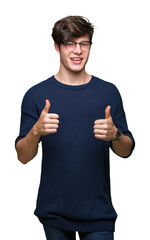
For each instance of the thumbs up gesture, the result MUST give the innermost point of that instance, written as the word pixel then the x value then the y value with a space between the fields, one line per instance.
pixel 47 122
pixel 104 128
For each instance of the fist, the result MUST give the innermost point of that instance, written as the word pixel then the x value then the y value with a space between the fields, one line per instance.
pixel 47 122
pixel 104 128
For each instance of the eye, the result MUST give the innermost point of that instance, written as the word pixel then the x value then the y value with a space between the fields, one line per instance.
pixel 70 44
pixel 85 44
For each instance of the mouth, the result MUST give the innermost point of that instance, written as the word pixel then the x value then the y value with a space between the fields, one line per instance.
pixel 76 60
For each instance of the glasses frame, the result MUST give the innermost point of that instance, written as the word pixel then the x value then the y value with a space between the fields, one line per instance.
pixel 80 43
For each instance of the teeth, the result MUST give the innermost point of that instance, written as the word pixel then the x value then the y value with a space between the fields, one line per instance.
pixel 76 59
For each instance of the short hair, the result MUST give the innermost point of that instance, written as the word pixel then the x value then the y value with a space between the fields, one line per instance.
pixel 70 27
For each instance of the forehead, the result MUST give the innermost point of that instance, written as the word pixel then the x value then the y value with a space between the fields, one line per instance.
pixel 82 38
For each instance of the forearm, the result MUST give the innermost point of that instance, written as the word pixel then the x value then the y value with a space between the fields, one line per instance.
pixel 27 147
pixel 47 123
pixel 123 146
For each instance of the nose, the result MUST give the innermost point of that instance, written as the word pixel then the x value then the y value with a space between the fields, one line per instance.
pixel 77 49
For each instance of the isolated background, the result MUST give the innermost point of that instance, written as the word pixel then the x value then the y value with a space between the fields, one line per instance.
pixel 120 54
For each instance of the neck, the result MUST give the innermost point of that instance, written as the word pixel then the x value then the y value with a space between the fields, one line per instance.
pixel 73 78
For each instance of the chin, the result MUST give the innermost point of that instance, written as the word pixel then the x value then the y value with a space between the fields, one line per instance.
pixel 77 69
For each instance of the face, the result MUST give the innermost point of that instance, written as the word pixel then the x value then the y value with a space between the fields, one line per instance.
pixel 75 60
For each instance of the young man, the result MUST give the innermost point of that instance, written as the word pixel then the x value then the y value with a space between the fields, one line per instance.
pixel 77 117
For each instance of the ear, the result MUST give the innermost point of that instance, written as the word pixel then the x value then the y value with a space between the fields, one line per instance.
pixel 56 47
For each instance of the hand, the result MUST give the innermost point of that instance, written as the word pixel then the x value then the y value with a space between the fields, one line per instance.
pixel 47 123
pixel 104 128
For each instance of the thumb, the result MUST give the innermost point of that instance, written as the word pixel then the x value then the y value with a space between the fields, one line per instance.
pixel 47 106
pixel 107 112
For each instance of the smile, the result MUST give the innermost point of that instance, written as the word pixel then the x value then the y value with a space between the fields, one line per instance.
pixel 76 59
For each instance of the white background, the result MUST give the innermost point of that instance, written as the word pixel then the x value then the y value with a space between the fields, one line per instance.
pixel 120 54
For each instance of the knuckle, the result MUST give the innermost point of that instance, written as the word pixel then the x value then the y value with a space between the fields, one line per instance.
pixel 106 132
pixel 107 121
pixel 46 130
pixel 45 127
pixel 44 121
pixel 106 127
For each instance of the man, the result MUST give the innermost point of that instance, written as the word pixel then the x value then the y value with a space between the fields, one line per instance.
pixel 77 117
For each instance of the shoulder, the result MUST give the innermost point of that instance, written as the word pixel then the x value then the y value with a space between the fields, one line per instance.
pixel 34 94
pixel 106 86
pixel 38 89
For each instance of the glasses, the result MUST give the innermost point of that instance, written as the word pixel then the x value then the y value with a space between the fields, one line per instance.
pixel 70 46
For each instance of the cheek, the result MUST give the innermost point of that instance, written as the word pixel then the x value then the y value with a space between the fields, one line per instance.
pixel 86 56
pixel 64 57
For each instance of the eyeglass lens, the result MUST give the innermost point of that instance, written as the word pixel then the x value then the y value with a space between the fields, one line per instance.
pixel 83 45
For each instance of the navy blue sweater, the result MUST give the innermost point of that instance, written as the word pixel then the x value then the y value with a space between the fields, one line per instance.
pixel 74 192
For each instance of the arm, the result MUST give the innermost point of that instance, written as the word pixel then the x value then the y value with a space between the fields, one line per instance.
pixel 122 147
pixel 27 147
pixel 106 130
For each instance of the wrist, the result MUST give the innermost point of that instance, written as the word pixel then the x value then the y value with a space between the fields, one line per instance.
pixel 35 131
pixel 117 135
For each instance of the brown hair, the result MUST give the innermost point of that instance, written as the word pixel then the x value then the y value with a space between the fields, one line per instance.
pixel 68 28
